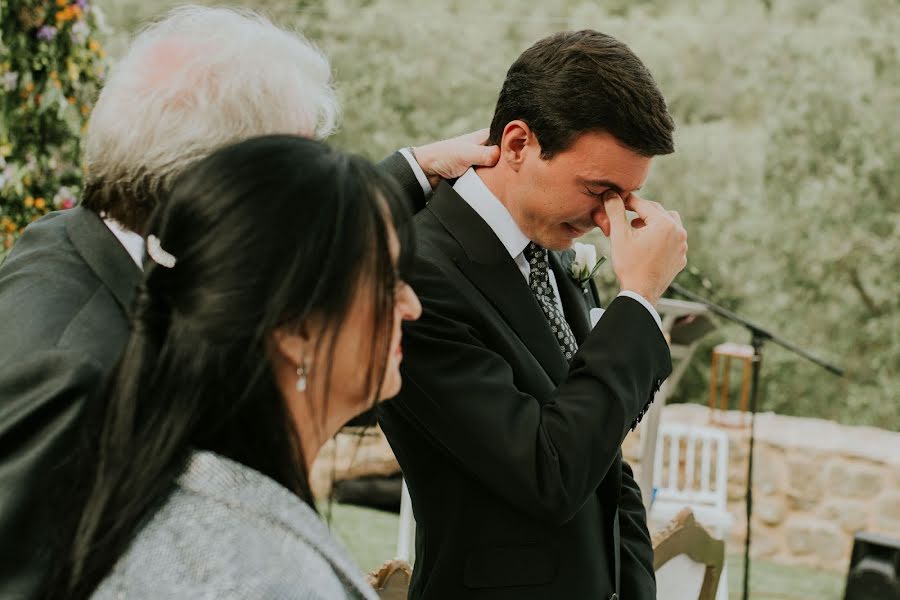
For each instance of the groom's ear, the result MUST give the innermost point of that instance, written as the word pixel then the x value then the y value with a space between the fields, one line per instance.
pixel 517 141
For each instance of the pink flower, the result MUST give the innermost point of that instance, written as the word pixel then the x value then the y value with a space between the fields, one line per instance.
pixel 64 199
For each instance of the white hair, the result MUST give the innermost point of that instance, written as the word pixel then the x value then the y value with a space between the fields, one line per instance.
pixel 197 80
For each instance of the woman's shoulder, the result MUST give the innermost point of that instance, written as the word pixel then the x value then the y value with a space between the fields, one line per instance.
pixel 215 538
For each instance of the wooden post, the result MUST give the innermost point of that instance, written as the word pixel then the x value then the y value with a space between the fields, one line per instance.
pixel 719 403
pixel 726 368
pixel 713 376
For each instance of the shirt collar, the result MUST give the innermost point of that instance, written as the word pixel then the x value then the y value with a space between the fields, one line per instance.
pixel 133 243
pixel 477 195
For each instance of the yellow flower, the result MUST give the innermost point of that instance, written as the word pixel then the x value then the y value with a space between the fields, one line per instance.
pixel 76 11
pixel 40 203
pixel 29 202
pixel 11 227
pixel 71 99
pixel 5 150
pixel 72 70
pixel 94 45
pixel 85 109
pixel 61 3
pixel 29 87
pixel 54 75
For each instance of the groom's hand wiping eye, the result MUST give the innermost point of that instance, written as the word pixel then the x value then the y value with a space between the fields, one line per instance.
pixel 647 258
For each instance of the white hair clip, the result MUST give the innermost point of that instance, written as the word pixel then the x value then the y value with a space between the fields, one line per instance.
pixel 159 256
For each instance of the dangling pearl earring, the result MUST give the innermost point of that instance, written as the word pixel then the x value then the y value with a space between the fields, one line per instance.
pixel 301 376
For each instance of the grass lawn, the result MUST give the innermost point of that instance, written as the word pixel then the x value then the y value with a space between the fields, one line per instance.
pixel 771 581
pixel 371 537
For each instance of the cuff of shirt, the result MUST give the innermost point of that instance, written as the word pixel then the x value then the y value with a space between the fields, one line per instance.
pixel 646 303
pixel 417 171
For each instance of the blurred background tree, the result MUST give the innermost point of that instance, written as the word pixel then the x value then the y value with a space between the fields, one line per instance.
pixel 51 67
pixel 785 171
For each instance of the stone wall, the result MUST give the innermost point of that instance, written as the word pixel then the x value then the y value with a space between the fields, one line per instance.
pixel 360 451
pixel 815 484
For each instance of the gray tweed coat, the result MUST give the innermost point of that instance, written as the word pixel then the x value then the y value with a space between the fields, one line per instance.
pixel 229 532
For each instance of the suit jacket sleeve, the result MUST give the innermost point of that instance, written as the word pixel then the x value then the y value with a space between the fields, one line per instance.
pixel 542 455
pixel 396 166
pixel 40 401
pixel 638 579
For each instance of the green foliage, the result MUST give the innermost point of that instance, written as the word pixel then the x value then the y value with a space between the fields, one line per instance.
pixel 785 171
pixel 50 71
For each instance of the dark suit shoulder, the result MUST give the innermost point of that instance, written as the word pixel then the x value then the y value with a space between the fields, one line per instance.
pixel 397 167
pixel 433 242
pixel 44 245
pixel 48 294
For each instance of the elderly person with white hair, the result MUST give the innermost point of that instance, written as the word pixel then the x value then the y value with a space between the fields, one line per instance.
pixel 199 79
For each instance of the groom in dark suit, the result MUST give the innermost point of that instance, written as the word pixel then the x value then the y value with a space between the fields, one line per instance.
pixel 513 409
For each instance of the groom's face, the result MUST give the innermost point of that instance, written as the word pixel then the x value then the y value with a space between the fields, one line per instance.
pixel 561 199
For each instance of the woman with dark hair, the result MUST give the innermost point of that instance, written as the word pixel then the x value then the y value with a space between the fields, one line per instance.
pixel 269 315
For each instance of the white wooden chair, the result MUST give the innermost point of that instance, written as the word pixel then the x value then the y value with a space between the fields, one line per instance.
pixel 687 560
pixel 691 471
pixel 391 581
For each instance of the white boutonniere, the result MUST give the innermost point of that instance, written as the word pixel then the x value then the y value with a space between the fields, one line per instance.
pixel 585 264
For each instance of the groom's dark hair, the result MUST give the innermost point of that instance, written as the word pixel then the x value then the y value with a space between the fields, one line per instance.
pixel 580 81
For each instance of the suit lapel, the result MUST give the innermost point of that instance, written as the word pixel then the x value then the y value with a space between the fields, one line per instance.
pixel 488 265
pixel 104 254
pixel 574 300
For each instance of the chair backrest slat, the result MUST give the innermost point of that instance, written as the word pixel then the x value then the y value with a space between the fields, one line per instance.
pixel 689 460
pixel 671 482
pixel 674 461
pixel 705 460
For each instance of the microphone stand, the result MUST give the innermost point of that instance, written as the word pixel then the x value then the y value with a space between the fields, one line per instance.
pixel 758 336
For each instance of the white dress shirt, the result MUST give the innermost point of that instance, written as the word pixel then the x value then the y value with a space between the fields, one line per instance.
pixel 133 242
pixel 417 171
pixel 477 195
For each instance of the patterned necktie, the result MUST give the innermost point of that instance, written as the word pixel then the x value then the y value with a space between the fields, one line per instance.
pixel 539 280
